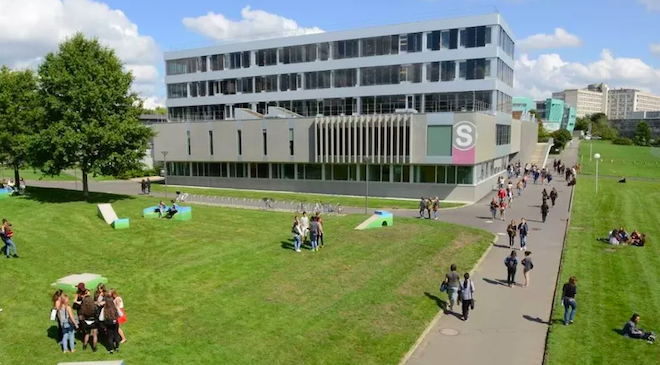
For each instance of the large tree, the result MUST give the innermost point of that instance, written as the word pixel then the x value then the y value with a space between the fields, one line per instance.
pixel 20 111
pixel 582 124
pixel 91 113
pixel 643 134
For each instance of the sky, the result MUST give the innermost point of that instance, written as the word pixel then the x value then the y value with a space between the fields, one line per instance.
pixel 559 43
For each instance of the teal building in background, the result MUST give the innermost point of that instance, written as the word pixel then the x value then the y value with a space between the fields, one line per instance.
pixel 523 104
pixel 555 114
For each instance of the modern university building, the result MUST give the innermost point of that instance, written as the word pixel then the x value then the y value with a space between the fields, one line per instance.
pixel 417 109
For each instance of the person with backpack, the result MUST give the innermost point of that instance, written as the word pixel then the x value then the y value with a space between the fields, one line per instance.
pixel 511 231
pixel 7 232
pixel 68 324
pixel 523 229
pixel 297 233
pixel 494 207
pixel 110 317
pixel 544 211
pixel 466 295
pixel 511 263
pixel 527 266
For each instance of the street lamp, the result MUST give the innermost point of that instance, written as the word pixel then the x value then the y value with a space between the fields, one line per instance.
pixel 597 157
pixel 366 186
pixel 165 165
pixel 591 148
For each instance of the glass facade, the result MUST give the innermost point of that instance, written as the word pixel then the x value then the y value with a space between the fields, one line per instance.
pixel 502 134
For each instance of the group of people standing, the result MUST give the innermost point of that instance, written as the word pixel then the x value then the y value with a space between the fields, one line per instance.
pixel 103 312
pixel 145 186
pixel 428 204
pixel 305 230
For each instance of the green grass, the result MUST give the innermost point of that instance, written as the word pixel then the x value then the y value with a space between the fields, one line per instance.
pixel 224 288
pixel 629 161
pixel 29 174
pixel 613 282
pixel 375 203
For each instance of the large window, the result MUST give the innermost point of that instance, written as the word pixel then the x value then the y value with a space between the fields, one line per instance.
pixel 237 60
pixel 324 51
pixel 182 66
pixel 411 73
pixel 345 49
pixel 504 72
pixel 217 62
pixel 414 42
pixel 503 134
pixel 378 46
pixel 475 37
pixel 298 54
pixel 506 43
pixel 175 91
pixel 381 75
pixel 267 57
pixel 438 40
pixel 476 69
pixel 401 173
pixel 265 83
pixel 288 82
pixel 317 80
pixel 345 78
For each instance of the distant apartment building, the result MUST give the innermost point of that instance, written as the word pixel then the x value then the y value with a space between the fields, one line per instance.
pixel 590 100
pixel 624 102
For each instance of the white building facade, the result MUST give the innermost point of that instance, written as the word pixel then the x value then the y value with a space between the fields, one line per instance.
pixel 624 102
pixel 432 66
pixel 587 101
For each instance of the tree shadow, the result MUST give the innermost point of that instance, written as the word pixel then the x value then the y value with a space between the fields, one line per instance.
pixel 535 319
pixel 58 196
pixel 496 282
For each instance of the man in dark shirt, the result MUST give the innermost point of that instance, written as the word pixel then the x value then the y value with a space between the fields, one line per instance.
pixel 452 280
pixel 570 305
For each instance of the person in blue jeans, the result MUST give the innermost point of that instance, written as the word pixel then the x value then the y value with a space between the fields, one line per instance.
pixel 68 324
pixel 523 229
pixel 297 234
pixel 7 232
pixel 570 305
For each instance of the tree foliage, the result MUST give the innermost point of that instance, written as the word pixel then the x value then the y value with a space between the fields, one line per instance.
pixel 160 110
pixel 20 112
pixel 623 141
pixel 543 135
pixel 582 124
pixel 600 126
pixel 91 114
pixel 643 134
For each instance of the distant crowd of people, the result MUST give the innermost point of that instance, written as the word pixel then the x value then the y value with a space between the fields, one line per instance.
pixel 309 231
pixel 619 236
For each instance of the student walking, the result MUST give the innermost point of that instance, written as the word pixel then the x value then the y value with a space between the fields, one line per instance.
pixel 67 323
pixel 523 230
pixel 428 208
pixel 148 186
pixel 467 293
pixel 527 266
pixel 570 305
pixel 7 233
pixel 511 263
pixel 553 196
pixel 511 231
pixel 452 283
pixel 436 208
pixel 494 207
pixel 544 211
pixel 109 316
pixel 519 188
pixel 422 207
pixel 503 206
pixel 143 186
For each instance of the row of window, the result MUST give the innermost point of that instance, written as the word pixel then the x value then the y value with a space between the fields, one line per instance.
pixel 429 174
pixel 338 140
pixel 385 104
pixel 239 140
pixel 374 46
pixel 473 69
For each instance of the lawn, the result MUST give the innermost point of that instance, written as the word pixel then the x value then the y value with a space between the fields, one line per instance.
pixel 225 288
pixel 30 174
pixel 616 160
pixel 613 282
pixel 375 203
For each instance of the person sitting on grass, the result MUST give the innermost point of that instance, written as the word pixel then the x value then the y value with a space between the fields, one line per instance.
pixel 630 330
pixel 637 239
pixel 623 236
pixel 173 210
pixel 161 209
pixel 614 237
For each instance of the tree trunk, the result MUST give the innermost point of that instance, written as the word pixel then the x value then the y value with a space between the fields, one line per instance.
pixel 85 184
pixel 17 176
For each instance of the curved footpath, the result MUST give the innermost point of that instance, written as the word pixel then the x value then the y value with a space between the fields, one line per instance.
pixel 508 325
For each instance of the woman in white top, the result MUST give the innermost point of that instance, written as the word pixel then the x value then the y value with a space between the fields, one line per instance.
pixel 304 222
pixel 466 292
pixel 119 302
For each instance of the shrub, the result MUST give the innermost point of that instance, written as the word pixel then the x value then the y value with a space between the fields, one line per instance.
pixel 623 141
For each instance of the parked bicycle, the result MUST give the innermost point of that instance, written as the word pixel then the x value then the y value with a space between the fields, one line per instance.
pixel 268 203
pixel 181 197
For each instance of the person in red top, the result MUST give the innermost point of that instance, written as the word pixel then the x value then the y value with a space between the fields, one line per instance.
pixel 501 194
pixel 7 233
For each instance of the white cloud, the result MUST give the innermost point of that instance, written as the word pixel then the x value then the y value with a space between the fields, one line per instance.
pixel 31 28
pixel 254 24
pixel 651 4
pixel 152 103
pixel 547 73
pixel 560 39
pixel 655 49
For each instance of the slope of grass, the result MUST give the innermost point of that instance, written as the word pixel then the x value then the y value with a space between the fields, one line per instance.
pixel 30 174
pixel 629 161
pixel 225 288
pixel 613 282
pixel 375 203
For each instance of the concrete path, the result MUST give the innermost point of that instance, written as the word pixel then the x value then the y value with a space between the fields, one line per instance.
pixel 508 325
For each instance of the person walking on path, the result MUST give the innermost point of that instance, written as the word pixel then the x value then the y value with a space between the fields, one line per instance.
pixel 544 195
pixel 511 231
pixel 519 188
pixel 143 186
pixel 503 206
pixel 570 305
pixel 544 211
pixel 553 196
pixel 494 207
pixel 523 230
pixel 436 207
pixel 511 263
pixel 422 207
pixel 452 283
pixel 148 186
pixel 467 292
pixel 527 266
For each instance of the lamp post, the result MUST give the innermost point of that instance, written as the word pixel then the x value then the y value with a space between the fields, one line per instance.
pixel 597 157
pixel 591 149
pixel 366 186
pixel 165 168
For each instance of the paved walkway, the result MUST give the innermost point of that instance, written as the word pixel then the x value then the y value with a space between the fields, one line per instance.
pixel 508 324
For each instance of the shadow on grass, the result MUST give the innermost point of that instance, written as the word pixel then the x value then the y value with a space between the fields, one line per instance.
pixel 54 333
pixel 619 331
pixel 55 195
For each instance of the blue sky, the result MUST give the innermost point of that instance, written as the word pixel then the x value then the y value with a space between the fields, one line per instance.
pixel 573 42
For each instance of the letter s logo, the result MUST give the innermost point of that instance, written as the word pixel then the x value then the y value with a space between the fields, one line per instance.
pixel 465 135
